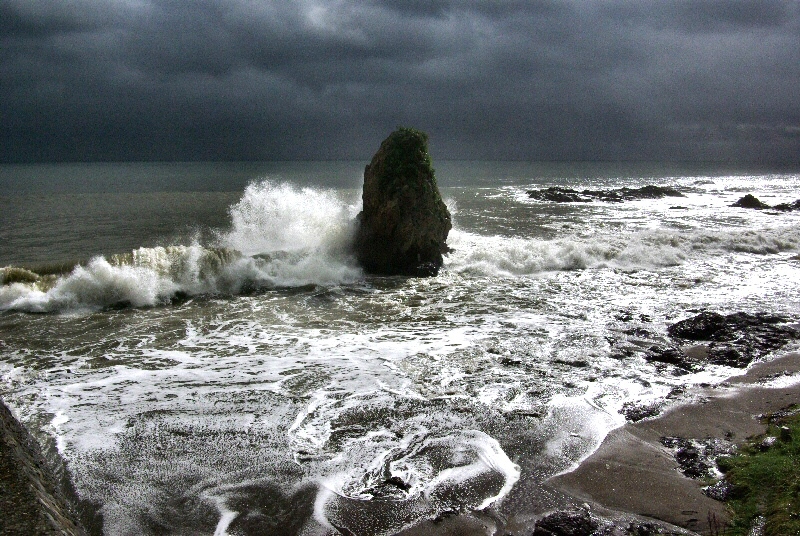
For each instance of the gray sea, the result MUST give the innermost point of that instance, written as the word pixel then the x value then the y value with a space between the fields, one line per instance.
pixel 197 345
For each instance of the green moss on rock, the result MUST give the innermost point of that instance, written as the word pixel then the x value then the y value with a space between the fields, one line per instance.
pixel 765 479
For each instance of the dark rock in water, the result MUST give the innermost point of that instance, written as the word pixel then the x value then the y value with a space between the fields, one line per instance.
pixel 750 201
pixel 582 523
pixel 692 461
pixel 647 529
pixel 557 194
pixel 697 458
pixel 721 491
pixel 671 355
pixel 698 328
pixel 637 412
pixel 566 524
pixel 403 227
pixel 788 207
pixel 568 195
pixel 736 339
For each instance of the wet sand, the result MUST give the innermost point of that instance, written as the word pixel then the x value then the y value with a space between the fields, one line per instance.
pixel 633 472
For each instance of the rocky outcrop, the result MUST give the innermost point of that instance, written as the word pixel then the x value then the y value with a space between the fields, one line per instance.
pixel 558 194
pixel 403 227
pixel 734 340
pixel 31 500
pixel 751 201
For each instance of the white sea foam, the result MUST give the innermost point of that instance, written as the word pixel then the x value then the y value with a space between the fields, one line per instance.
pixel 647 249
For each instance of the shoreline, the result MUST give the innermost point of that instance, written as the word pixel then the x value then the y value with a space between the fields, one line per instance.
pixel 632 472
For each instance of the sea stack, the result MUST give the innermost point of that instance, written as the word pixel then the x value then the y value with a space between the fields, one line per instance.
pixel 403 226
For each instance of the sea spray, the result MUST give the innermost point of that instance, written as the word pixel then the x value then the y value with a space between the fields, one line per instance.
pixel 280 236
pixel 282 217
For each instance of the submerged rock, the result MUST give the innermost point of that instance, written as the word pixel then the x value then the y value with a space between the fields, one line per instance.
pixel 403 227
pixel 558 194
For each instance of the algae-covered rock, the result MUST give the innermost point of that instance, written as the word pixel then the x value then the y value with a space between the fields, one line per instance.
pixel 403 227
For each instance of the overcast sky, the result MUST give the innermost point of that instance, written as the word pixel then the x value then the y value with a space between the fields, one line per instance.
pixel 261 80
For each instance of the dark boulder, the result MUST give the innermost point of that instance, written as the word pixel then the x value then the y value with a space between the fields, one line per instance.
pixel 566 524
pixel 733 340
pixel 750 201
pixel 403 227
pixel 698 328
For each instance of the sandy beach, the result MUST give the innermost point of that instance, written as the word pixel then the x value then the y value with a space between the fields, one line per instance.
pixel 634 472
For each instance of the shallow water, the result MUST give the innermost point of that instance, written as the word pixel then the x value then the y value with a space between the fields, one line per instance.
pixel 219 364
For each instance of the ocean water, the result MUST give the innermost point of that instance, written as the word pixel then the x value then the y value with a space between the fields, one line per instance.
pixel 205 356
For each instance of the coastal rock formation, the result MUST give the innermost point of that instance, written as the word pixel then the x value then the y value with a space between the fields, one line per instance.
pixel 403 227
pixel 751 201
pixel 31 499
pixel 558 194
pixel 734 340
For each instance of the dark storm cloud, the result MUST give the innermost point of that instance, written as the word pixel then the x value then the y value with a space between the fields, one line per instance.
pixel 248 79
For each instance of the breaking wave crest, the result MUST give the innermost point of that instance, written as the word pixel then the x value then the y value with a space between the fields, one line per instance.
pixel 645 250
pixel 280 236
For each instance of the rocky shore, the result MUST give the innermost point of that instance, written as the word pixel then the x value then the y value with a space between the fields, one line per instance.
pixel 31 499
pixel 641 468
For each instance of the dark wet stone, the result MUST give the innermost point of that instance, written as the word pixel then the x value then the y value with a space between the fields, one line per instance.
pixel 558 194
pixel 720 491
pixel 578 363
pixel 637 412
pixel 566 524
pixel 735 340
pixel 697 458
pixel 648 529
pixel 692 461
pixel 397 482
pixel 698 328
pixel 403 227
pixel 671 355
pixel 750 201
